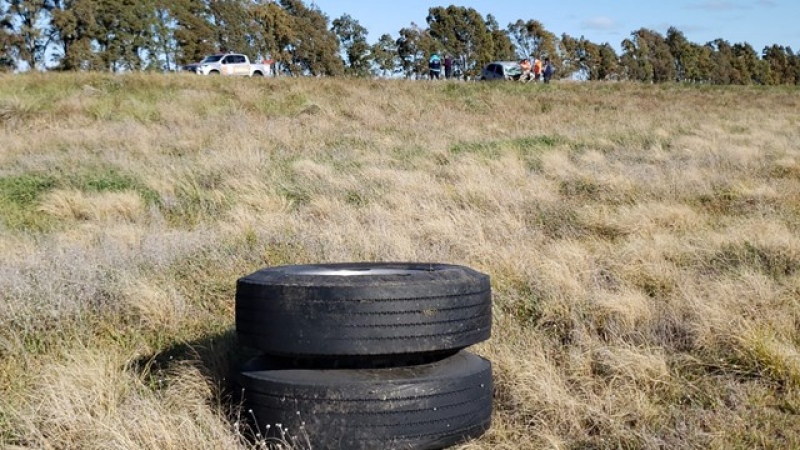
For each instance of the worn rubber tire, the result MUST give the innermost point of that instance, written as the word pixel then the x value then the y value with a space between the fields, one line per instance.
pixel 363 309
pixel 429 406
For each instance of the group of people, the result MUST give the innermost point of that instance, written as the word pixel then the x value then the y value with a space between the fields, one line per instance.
pixel 435 67
pixel 536 70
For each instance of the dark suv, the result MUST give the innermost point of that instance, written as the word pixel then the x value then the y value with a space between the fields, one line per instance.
pixel 501 70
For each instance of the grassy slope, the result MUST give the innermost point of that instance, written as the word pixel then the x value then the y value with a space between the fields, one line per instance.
pixel 642 241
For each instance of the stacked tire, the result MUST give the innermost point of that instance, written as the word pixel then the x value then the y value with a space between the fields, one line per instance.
pixel 366 355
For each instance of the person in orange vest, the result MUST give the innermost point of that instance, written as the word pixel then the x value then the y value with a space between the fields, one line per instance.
pixel 537 69
pixel 525 65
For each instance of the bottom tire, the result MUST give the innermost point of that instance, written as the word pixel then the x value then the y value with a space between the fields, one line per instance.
pixel 427 406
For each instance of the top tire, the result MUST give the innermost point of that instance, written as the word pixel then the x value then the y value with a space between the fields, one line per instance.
pixel 363 309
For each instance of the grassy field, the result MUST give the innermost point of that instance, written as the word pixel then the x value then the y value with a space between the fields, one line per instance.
pixel 643 243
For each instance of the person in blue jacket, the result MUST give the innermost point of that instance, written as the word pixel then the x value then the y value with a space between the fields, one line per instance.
pixel 434 66
pixel 548 70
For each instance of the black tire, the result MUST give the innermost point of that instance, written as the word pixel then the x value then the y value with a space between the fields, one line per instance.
pixel 428 406
pixel 363 309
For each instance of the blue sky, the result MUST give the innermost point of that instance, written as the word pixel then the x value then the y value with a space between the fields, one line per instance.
pixel 758 22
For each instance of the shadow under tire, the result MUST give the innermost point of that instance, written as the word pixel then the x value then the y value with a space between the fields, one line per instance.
pixel 363 309
pixel 428 406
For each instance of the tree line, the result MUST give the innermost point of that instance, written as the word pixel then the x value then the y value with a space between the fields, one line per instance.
pixel 163 35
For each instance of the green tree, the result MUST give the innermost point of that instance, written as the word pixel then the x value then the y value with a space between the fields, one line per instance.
pixel 579 57
pixel 532 39
pixel 692 61
pixel 413 46
pixel 164 44
pixel 7 38
pixel 680 49
pixel 591 59
pixel 274 33
pixel 26 18
pixel 385 55
pixel 705 63
pixel 462 32
pixel 587 59
pixel 782 69
pixel 721 59
pixel 105 35
pixel 570 53
pixel 315 50
pixel 353 40
pixel 634 62
pixel 608 66
pixel 194 35
pixel 795 64
pixel 746 64
pixel 647 57
pixel 75 23
pixel 124 33
pixel 503 48
pixel 662 60
pixel 653 60
pixel 232 26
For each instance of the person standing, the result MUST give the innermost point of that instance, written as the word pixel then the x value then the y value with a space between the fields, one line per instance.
pixel 548 70
pixel 448 67
pixel 434 67
pixel 537 68
pixel 525 65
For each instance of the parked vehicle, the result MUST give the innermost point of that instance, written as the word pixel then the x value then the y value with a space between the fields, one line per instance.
pixel 232 64
pixel 191 67
pixel 501 70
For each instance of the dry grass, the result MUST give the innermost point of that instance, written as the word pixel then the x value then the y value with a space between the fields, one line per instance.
pixel 642 242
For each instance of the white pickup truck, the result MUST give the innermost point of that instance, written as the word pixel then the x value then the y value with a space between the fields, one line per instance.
pixel 232 64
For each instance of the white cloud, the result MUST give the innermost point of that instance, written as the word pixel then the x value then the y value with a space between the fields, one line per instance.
pixel 600 23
